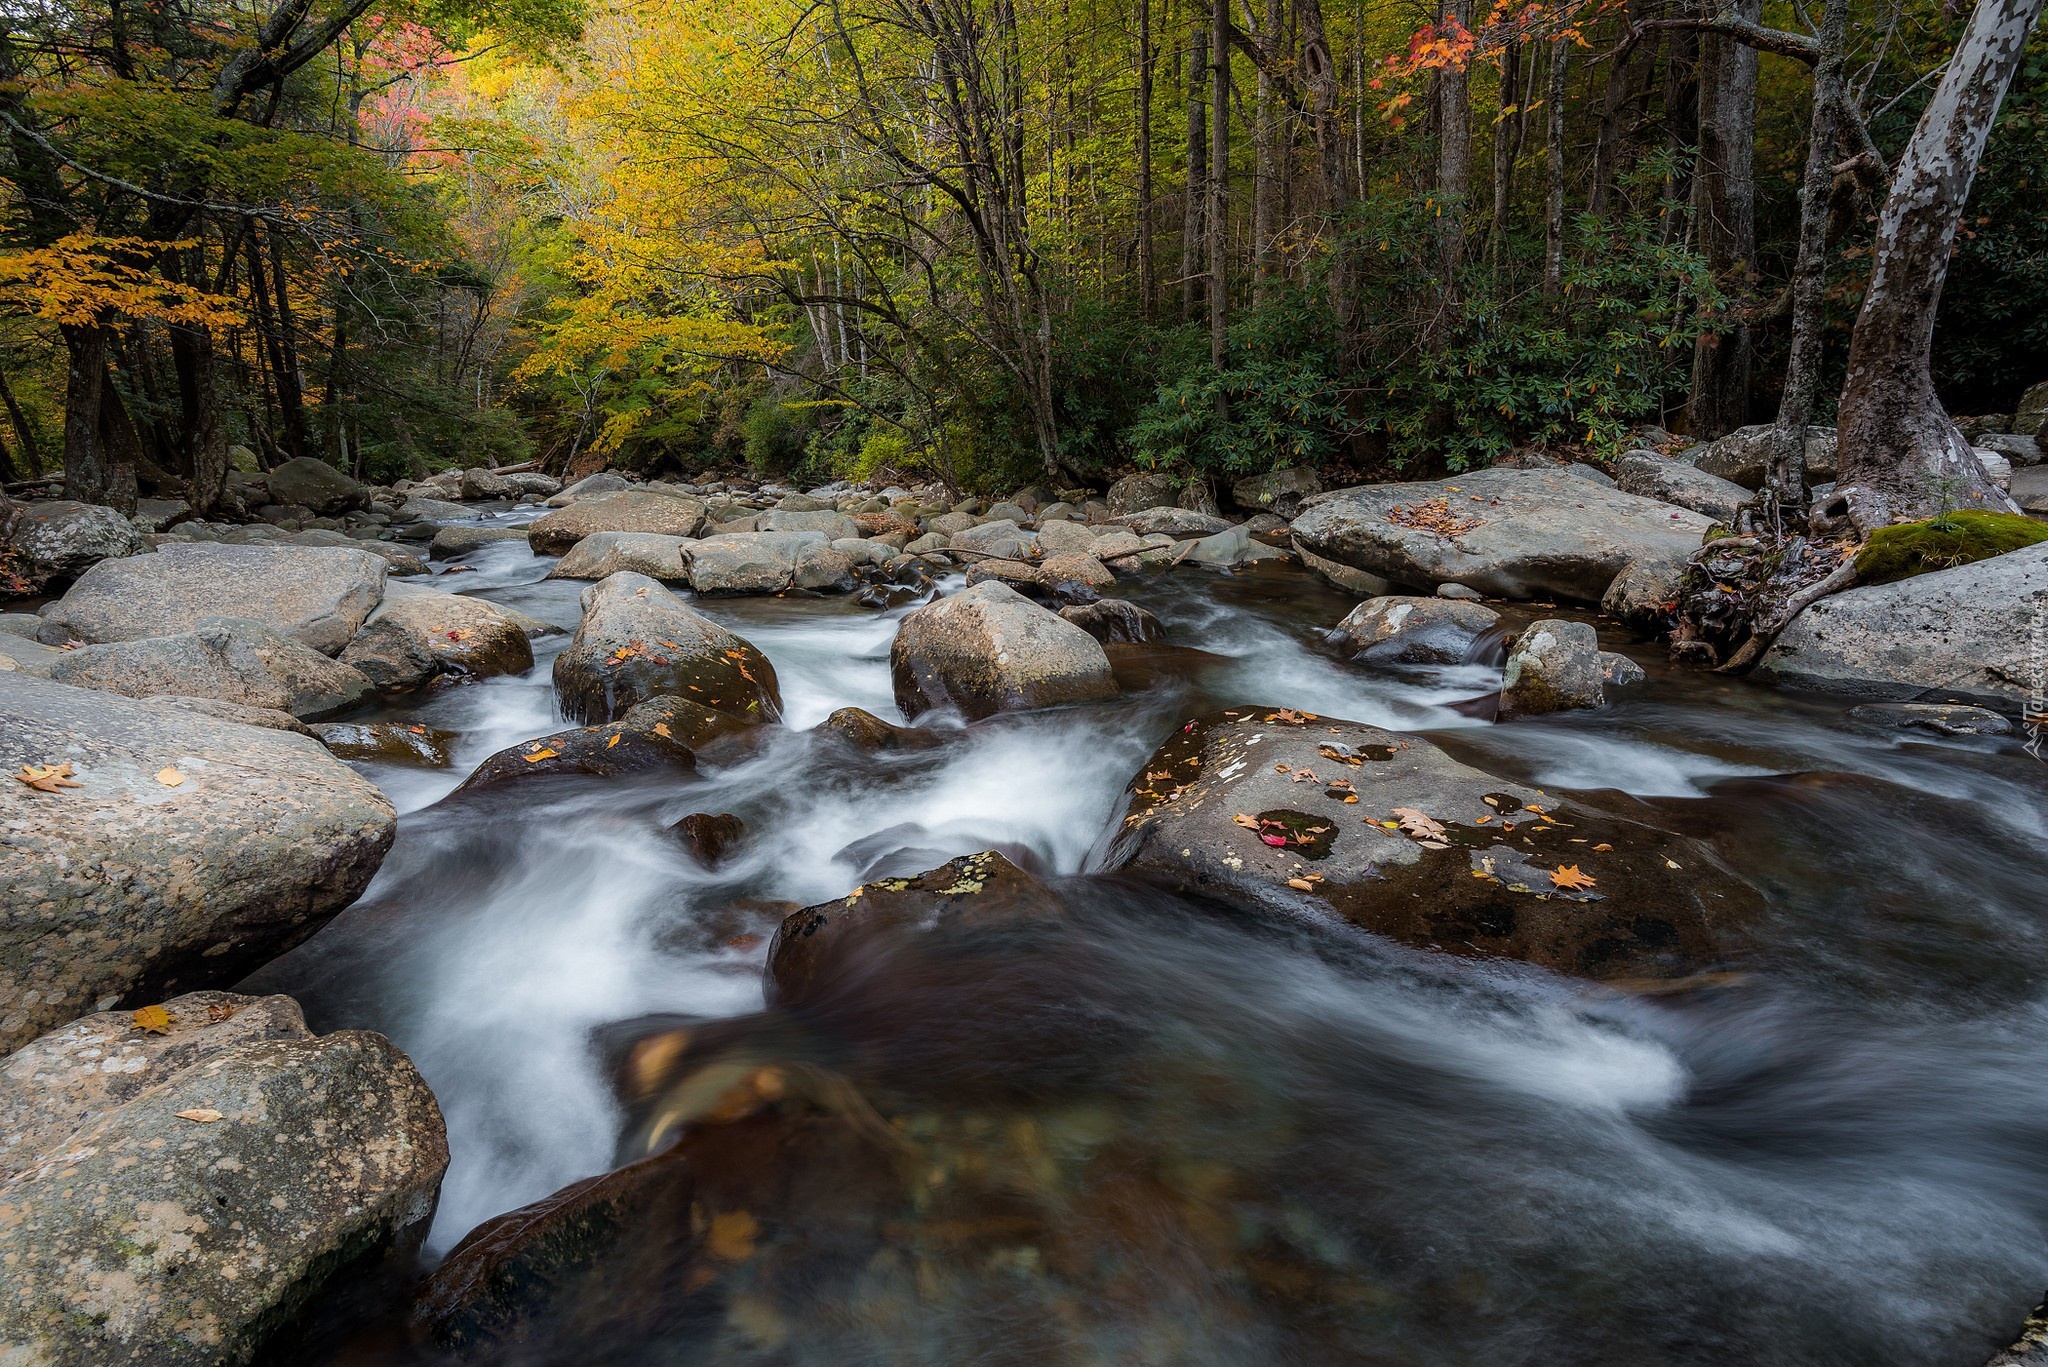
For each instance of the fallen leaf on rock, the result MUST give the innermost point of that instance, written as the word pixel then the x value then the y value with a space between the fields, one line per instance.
pixel 661 729
pixel 46 778
pixel 1250 823
pixel 1281 768
pixel 1302 884
pixel 153 1019
pixel 538 755
pixel 219 1012
pixel 1289 715
pixel 1276 841
pixel 1570 879
pixel 1306 776
pixel 731 1237
pixel 199 1115
pixel 610 743
pixel 1425 831
pixel 169 777
pixel 1532 807
pixel 1603 849
pixel 458 634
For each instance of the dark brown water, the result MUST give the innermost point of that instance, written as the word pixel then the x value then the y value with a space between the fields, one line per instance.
pixel 1154 1132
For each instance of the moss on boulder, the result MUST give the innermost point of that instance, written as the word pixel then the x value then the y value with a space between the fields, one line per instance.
pixel 1942 543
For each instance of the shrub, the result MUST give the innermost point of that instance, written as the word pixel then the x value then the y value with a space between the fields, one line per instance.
pixel 1942 543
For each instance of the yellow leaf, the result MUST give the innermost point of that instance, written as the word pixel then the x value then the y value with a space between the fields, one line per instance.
pixel 732 1235
pixel 537 756
pixel 200 1115
pixel 154 1019
pixel 1569 878
pixel 46 778
pixel 610 743
pixel 169 777
pixel 661 729
pixel 1302 884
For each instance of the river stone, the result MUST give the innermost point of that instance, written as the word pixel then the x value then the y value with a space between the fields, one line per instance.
pixel 391 655
pixel 1016 573
pixel 709 837
pixel 865 731
pixel 638 641
pixel 1136 493
pixel 308 482
pixel 228 658
pixel 629 510
pixel 1115 620
pixel 479 483
pixel 534 484
pixel 1352 580
pixel 1280 492
pixel 988 649
pixel 1229 549
pixel 30 655
pixel 1743 455
pixel 126 883
pixel 1553 666
pixel 1065 538
pixel 467 538
pixel 606 553
pixel 1000 540
pixel 2018 448
pixel 835 525
pixel 62 540
pixel 20 624
pixel 242 714
pixel 1075 569
pixel 1967 634
pixel 388 742
pixel 1660 906
pixel 662 733
pixel 1178 523
pixel 1533 533
pixel 1619 671
pixel 1943 719
pixel 319 596
pixel 462 636
pixel 603 482
pixel 143 1237
pixel 804 503
pixel 765 562
pixel 422 508
pixel 1403 630
pixel 1650 475
pixel 403 562
pixel 1645 594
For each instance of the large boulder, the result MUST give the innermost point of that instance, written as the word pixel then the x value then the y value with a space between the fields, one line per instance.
pixel 479 483
pixel 639 641
pixel 606 553
pixel 765 562
pixel 1554 666
pixel 1397 630
pixel 1232 548
pixel 468 538
pixel 2030 490
pixel 1968 634
pixel 629 510
pixel 1506 533
pixel 191 850
pixel 1178 523
pixel 989 649
pixel 227 658
pixel 1281 492
pixel 180 1189
pixel 461 636
pixel 1650 475
pixel 311 483
pixel 1136 493
pixel 1296 813
pixel 835 525
pixel 1743 456
pixel 62 540
pixel 1000 540
pixel 603 482
pixel 661 733
pixel 316 595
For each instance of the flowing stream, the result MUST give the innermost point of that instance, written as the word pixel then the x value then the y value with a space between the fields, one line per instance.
pixel 1841 1157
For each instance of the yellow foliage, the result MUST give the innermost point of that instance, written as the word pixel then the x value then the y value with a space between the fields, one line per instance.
pixel 86 279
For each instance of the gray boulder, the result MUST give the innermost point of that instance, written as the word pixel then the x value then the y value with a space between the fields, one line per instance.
pixel 629 510
pixel 1554 666
pixel 765 562
pixel 311 483
pixel 129 882
pixel 639 641
pixel 1177 523
pixel 62 540
pixel 1743 455
pixel 388 742
pixel 1649 475
pixel 317 595
pixel 2030 489
pixel 1942 719
pixel 2019 448
pixel 462 636
pixel 479 483
pixel 231 659
pixel 1136 493
pixel 242 714
pixel 1115 620
pixel 177 1195
pixel 1961 635
pixel 836 526
pixel 1403 630
pixel 989 649
pixel 1232 548
pixel 420 508
pixel 450 543
pixel 1065 538
pixel 533 484
pixel 1506 533
pixel 1003 539
pixel 603 482
pixel 606 553
pixel 1282 492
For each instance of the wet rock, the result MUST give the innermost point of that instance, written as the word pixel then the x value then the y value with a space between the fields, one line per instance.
pixel 1943 719
pixel 765 562
pixel 388 742
pixel 989 649
pixel 660 734
pixel 1743 455
pixel 603 482
pixel 311 483
pixel 1229 549
pixel 1115 619
pixel 1554 666
pixel 1650 475
pixel 129 883
pixel 51 542
pixel 1619 671
pixel 629 510
pixel 227 658
pixel 1959 635
pixel 1403 630
pixel 1281 492
pixel 1458 593
pixel 1136 493
pixel 315 595
pixel 865 731
pixel 708 838
pixel 462 636
pixel 171 1213
pixel 1178 523
pixel 1645 594
pixel 1657 907
pixel 1025 578
pixel 1356 581
pixel 1506 533
pixel 392 656
pixel 2030 1349
pixel 638 641
pixel 1002 540
pixel 606 553
pixel 452 543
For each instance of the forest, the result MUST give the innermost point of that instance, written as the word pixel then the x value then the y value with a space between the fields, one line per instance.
pixel 981 241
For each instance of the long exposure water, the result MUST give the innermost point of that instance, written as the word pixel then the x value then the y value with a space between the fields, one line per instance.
pixel 1837 1157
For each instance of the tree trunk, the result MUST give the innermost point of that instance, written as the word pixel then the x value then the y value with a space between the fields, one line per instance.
pixel 1681 123
pixel 95 470
pixel 1454 149
pixel 1219 177
pixel 1786 474
pixel 1724 193
pixel 1266 153
pixel 1326 114
pixel 1193 241
pixel 1147 276
pixel 1615 110
pixel 1899 454
pixel 1507 145
pixel 1553 160
pixel 25 434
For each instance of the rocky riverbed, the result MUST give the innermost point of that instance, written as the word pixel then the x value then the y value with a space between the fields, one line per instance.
pixel 721 923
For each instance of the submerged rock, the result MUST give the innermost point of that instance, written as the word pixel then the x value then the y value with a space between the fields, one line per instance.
pixel 1402 630
pixel 225 658
pixel 175 1196
pixel 1554 666
pixel 135 882
pixel 639 641
pixel 864 730
pixel 1290 812
pixel 662 733
pixel 708 837
pixel 389 742
pixel 1943 719
pixel 989 649
pixel 628 510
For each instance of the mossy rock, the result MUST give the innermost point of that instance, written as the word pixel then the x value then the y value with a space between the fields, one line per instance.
pixel 1942 543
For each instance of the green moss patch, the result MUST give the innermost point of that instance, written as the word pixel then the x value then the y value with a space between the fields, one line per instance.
pixel 1942 543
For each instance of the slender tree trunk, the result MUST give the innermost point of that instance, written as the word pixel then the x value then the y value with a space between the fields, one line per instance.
pixel 1899 453
pixel 1266 152
pixel 24 434
pixel 1725 202
pixel 1147 275
pixel 1333 165
pixel 1681 123
pixel 1219 180
pixel 204 463
pixel 1787 465
pixel 1553 178
pixel 1454 150
pixel 1614 113
pixel 92 473
pixel 1193 239
pixel 1506 146
pixel 291 380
